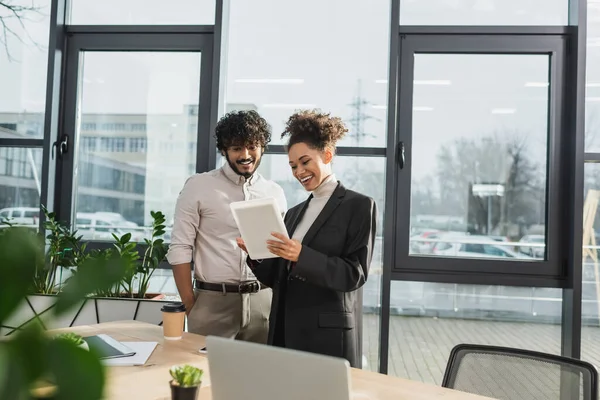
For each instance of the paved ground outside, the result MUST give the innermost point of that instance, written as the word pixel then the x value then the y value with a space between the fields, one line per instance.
pixel 420 346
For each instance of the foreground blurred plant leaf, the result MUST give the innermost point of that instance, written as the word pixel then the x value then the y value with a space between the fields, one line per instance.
pixel 78 373
pixel 26 351
pixel 20 251
pixel 92 275
pixel 29 357
pixel 29 345
pixel 7 391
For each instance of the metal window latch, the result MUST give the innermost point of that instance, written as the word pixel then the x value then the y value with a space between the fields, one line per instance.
pixel 63 146
pixel 401 155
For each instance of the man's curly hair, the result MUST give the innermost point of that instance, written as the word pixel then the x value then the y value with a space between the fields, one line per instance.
pixel 242 128
pixel 317 129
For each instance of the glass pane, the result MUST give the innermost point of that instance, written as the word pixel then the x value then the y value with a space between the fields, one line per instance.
pixel 20 186
pixel 136 139
pixel 590 306
pixel 277 64
pixel 142 12
pixel 479 132
pixel 484 12
pixel 592 86
pixel 428 319
pixel 365 175
pixel 23 62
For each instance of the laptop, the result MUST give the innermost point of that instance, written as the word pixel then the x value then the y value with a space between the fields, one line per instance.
pixel 252 371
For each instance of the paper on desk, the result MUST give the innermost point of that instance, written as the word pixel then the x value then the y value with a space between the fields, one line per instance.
pixel 143 350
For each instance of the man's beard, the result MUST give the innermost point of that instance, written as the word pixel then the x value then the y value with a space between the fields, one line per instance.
pixel 234 166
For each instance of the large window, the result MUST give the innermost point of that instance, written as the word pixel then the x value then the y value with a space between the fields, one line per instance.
pixel 479 155
pixel 23 61
pixel 135 148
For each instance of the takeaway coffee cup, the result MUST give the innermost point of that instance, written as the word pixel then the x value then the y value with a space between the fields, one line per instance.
pixel 173 319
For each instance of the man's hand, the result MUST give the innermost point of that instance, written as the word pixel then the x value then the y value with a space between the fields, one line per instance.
pixel 189 303
pixel 241 244
pixel 183 279
pixel 288 249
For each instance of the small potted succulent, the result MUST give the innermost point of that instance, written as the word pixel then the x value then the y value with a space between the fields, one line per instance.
pixel 186 381
pixel 74 338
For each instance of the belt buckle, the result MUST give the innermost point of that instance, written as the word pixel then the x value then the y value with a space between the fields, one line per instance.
pixel 249 286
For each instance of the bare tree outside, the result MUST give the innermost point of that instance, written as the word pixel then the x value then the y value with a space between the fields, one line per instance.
pixel 14 15
pixel 503 158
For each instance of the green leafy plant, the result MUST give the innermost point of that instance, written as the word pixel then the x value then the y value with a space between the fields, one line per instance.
pixel 30 356
pixel 186 375
pixel 70 337
pixel 155 253
pixel 127 251
pixel 65 250
pixel 136 281
pixel 104 255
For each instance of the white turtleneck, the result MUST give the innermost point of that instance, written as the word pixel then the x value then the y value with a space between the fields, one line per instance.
pixel 320 197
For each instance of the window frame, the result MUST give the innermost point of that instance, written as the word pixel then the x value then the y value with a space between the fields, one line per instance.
pixel 549 272
pixel 112 39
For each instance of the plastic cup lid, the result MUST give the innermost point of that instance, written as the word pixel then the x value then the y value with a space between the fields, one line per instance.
pixel 173 307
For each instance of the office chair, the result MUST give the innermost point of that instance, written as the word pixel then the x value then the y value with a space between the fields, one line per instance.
pixel 514 374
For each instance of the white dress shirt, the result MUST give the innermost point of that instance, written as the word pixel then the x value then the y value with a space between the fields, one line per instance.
pixel 204 229
pixel 320 197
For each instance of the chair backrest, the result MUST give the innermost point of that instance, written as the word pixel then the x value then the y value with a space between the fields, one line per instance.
pixel 514 374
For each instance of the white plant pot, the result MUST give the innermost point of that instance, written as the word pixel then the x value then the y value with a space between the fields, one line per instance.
pixel 88 312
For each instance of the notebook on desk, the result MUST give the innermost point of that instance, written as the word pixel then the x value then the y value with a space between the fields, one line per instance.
pixel 107 347
pixel 143 351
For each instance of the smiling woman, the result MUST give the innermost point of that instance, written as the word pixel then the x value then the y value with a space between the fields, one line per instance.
pixel 326 262
pixel 313 136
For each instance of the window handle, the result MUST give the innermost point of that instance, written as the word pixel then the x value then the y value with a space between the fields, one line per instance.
pixel 401 155
pixel 63 146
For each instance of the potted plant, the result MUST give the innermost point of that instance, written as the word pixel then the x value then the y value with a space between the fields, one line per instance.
pixel 186 381
pixel 127 298
pixel 74 338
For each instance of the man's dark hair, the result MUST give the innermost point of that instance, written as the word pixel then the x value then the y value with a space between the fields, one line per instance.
pixel 317 129
pixel 242 128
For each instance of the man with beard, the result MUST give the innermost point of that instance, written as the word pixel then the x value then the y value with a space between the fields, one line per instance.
pixel 224 299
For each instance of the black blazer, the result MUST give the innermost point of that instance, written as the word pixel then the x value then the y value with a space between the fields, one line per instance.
pixel 317 301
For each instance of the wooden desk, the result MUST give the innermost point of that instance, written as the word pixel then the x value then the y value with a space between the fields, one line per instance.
pixel 151 381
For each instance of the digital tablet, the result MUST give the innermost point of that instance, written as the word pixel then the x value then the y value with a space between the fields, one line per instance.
pixel 256 219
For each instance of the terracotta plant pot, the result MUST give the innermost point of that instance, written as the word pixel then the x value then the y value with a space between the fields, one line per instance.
pixel 183 393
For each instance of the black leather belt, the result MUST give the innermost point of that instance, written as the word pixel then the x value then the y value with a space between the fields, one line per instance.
pixel 242 287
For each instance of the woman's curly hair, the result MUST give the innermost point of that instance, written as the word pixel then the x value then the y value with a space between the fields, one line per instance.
pixel 242 128
pixel 317 129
